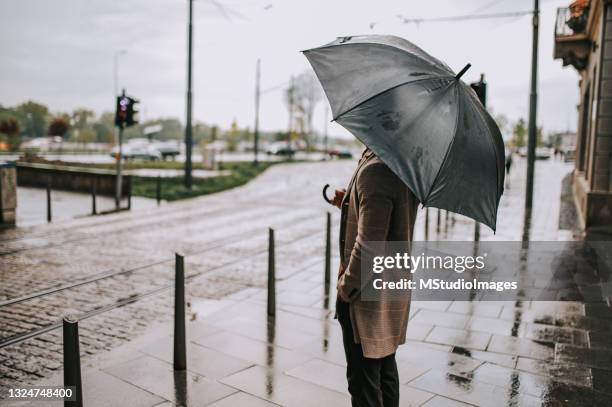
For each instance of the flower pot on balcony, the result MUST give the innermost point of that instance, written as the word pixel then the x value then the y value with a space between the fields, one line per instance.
pixel 577 23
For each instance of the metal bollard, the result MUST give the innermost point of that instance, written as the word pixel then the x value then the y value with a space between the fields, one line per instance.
pixel 328 255
pixel 271 275
pixel 94 184
pixel 476 231
pixel 445 221
pixel 158 190
pixel 426 223
pixel 49 200
pixel 180 347
pixel 438 222
pixel 72 361
pixel 129 203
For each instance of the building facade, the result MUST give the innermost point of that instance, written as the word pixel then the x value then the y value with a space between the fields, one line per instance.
pixel 583 39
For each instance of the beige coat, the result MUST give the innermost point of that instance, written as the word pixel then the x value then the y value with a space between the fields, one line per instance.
pixel 377 206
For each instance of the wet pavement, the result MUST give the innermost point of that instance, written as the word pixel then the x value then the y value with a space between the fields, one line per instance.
pixel 32 205
pixel 458 353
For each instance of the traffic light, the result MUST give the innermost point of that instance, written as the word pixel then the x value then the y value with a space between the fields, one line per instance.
pixel 125 115
pixel 121 110
pixel 132 113
pixel 480 88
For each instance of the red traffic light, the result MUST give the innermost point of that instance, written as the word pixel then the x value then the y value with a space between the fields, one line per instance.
pixel 125 115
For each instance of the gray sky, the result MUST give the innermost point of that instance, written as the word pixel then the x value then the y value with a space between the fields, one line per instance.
pixel 60 53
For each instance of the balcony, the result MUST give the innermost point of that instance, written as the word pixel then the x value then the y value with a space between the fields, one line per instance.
pixel 572 42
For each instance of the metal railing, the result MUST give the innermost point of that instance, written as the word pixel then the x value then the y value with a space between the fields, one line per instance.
pixel 94 194
pixel 561 27
pixel 568 23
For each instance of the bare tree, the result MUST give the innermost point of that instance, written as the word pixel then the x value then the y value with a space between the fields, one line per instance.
pixel 301 98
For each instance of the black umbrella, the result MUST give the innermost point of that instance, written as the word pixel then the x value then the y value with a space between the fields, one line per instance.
pixel 419 118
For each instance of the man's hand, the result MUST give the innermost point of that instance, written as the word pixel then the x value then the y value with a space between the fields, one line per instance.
pixel 339 284
pixel 343 297
pixel 337 200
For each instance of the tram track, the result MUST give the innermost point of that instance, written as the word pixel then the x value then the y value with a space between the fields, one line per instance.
pixel 135 296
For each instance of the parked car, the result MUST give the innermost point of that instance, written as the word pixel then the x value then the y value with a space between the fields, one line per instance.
pixel 132 152
pixel 280 148
pixel 167 149
pixel 340 154
pixel 541 153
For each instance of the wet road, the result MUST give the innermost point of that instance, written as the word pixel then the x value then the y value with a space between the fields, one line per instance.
pixel 488 353
pixel 101 158
pixel 223 234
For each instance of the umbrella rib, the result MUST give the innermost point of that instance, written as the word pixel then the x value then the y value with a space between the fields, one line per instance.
pixel 450 146
pixel 389 89
pixel 431 59
pixel 492 145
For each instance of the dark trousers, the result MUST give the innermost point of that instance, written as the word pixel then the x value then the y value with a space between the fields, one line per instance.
pixel 371 382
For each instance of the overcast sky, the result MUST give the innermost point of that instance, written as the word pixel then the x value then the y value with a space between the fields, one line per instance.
pixel 61 52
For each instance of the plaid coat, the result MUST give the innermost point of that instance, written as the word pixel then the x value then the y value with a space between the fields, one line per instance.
pixel 377 206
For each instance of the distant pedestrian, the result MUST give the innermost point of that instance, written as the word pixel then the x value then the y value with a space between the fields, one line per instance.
pixel 508 164
pixel 508 167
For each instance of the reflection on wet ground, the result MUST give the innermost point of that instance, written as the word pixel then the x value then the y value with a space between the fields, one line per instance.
pixel 458 353
pixel 485 353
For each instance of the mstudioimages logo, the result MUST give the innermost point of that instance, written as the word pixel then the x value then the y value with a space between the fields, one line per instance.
pixel 436 284
pixel 463 284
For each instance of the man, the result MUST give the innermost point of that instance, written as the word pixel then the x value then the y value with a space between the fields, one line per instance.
pixel 377 206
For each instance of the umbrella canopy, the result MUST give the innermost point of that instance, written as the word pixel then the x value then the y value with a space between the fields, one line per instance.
pixel 419 118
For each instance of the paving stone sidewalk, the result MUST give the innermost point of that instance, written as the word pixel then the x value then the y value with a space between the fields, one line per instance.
pixel 458 353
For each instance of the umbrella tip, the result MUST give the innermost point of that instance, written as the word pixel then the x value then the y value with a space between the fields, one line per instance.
pixel 464 70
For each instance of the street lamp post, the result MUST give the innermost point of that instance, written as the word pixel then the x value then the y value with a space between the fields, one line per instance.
pixel 290 114
pixel 188 129
pixel 325 136
pixel 116 69
pixel 118 132
pixel 257 95
pixel 481 91
pixel 533 99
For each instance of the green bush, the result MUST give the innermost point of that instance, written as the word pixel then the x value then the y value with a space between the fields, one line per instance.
pixel 172 188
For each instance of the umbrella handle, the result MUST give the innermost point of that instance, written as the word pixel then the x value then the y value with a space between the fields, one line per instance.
pixel 325 194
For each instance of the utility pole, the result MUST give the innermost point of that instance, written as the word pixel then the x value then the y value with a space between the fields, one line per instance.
pixel 290 112
pixel 119 133
pixel 188 129
pixel 257 95
pixel 325 137
pixel 119 164
pixel 533 100
pixel 125 116
pixel 116 69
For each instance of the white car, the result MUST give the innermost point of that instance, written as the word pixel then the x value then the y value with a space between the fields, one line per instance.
pixel 131 152
pixel 167 148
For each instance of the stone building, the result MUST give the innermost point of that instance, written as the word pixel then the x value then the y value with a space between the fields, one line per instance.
pixel 583 39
